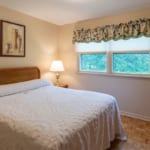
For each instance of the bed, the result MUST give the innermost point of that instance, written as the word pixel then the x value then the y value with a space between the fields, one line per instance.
pixel 36 115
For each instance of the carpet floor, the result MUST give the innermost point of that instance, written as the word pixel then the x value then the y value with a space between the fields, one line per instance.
pixel 138 133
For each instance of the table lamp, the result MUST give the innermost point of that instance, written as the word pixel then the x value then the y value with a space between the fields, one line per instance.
pixel 57 67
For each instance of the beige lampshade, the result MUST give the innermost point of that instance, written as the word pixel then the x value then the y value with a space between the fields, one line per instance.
pixel 57 66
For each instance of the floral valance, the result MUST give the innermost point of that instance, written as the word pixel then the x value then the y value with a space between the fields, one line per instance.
pixel 136 28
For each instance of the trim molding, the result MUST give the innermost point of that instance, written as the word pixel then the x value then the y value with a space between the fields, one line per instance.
pixel 137 116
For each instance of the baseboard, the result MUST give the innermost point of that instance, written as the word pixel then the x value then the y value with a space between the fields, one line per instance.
pixel 137 116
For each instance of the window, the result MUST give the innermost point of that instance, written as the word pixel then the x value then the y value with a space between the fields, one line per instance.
pixel 95 62
pixel 131 63
pixel 128 57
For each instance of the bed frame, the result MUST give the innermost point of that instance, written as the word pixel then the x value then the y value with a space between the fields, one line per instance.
pixel 20 74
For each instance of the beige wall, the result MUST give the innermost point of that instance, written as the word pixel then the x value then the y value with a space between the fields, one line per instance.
pixel 133 94
pixel 120 18
pixel 41 41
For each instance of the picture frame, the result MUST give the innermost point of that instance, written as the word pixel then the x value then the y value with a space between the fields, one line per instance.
pixel 12 39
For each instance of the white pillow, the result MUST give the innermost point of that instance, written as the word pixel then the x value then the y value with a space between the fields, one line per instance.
pixel 9 89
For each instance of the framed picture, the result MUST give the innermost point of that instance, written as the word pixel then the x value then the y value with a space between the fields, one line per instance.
pixel 12 39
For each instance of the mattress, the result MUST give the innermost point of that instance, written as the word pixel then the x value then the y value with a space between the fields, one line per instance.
pixel 36 115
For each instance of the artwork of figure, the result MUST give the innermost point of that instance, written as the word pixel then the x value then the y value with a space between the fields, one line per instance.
pixel 8 47
pixel 16 40
pixel 13 43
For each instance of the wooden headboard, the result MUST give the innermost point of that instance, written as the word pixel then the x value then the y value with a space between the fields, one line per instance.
pixel 13 75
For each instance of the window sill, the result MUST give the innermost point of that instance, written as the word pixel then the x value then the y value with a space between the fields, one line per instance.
pixel 115 74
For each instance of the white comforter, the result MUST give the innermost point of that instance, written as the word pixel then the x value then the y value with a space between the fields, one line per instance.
pixel 53 118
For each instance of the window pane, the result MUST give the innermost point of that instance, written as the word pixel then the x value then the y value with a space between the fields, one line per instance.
pixel 93 62
pixel 133 63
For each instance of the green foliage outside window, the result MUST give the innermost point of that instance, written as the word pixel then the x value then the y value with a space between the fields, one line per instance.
pixel 132 63
pixel 93 62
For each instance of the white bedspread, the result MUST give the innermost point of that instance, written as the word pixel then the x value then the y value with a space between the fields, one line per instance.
pixel 53 118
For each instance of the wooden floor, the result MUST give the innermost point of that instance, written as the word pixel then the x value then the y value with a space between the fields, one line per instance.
pixel 138 132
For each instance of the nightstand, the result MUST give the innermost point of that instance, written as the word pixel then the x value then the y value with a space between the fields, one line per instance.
pixel 63 85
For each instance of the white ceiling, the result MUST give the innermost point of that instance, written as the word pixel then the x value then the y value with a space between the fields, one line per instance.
pixel 68 11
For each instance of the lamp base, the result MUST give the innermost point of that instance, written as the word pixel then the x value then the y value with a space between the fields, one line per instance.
pixel 57 79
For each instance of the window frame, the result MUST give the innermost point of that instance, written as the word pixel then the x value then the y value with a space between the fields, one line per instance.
pixel 93 72
pixel 109 64
pixel 129 74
